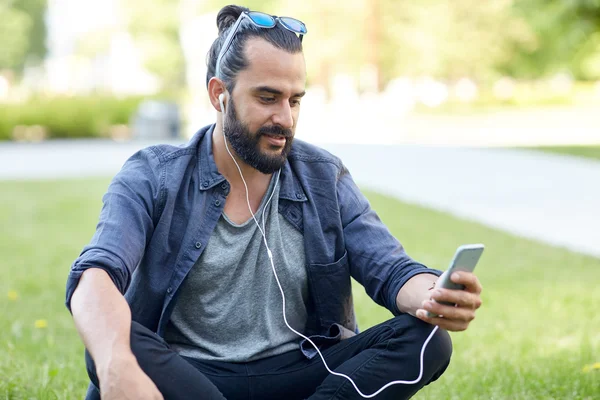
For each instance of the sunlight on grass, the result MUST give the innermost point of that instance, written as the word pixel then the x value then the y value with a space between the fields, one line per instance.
pixel 537 335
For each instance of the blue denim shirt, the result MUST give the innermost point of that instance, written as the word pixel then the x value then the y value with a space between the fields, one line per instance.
pixel 161 208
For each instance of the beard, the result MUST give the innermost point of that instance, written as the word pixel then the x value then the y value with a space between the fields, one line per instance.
pixel 247 144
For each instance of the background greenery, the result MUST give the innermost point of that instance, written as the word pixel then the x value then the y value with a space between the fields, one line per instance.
pixel 68 117
pixel 537 335
pixel 591 152
pixel 547 52
pixel 524 39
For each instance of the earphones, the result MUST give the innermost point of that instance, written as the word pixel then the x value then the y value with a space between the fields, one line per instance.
pixel 221 99
pixel 270 254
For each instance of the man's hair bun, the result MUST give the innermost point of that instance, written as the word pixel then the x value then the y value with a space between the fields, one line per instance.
pixel 227 17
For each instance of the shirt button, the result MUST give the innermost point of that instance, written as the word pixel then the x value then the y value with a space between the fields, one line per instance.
pixel 217 203
pixel 205 184
pixel 224 186
pixel 169 290
pixel 198 245
pixel 298 195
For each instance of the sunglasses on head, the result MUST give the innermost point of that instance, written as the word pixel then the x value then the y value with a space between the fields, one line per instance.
pixel 261 20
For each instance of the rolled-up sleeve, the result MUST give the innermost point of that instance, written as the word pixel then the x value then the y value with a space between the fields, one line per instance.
pixel 377 259
pixel 125 225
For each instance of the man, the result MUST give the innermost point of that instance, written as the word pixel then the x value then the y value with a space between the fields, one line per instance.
pixel 179 293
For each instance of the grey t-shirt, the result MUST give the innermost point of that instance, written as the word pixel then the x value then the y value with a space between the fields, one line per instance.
pixel 230 307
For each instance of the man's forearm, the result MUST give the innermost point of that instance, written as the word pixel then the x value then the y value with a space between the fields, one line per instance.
pixel 415 290
pixel 102 318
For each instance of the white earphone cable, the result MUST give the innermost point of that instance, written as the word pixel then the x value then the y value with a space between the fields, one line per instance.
pixel 262 231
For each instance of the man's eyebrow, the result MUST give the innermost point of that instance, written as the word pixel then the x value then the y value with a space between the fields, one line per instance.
pixel 268 89
pixel 274 91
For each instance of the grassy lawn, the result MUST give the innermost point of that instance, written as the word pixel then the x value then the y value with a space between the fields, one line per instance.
pixel 538 329
pixel 579 151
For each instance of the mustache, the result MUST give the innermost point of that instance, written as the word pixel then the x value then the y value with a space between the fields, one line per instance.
pixel 275 130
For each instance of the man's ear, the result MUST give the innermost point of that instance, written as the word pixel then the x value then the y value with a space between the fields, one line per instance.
pixel 217 92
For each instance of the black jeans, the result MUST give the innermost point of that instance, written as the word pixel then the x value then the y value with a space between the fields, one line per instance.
pixel 386 352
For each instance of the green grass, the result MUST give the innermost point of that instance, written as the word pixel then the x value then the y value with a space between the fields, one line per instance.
pixel 538 328
pixel 578 151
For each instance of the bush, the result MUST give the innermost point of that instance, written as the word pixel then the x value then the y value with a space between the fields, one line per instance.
pixel 68 117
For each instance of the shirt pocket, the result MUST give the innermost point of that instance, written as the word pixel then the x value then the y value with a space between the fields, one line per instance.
pixel 331 289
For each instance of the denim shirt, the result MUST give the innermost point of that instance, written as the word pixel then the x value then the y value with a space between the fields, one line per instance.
pixel 161 208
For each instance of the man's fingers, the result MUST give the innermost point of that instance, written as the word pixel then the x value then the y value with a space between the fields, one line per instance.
pixel 451 317
pixel 450 312
pixel 460 297
pixel 468 279
pixel 442 322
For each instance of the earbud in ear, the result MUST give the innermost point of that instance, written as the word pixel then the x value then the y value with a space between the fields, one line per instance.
pixel 221 100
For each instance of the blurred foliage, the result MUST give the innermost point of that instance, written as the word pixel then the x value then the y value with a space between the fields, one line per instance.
pixel 36 10
pixel 373 41
pixel 22 33
pixel 68 117
pixel 566 38
pixel 377 40
pixel 154 25
pixel 90 44
pixel 13 36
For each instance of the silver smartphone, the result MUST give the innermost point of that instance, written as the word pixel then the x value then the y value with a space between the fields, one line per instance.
pixel 465 259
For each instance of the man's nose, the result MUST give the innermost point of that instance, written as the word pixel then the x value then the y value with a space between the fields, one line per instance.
pixel 284 117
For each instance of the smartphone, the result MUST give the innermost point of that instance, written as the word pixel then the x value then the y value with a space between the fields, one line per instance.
pixel 465 259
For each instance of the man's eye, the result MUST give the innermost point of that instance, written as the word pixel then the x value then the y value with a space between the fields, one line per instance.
pixel 267 99
pixel 295 102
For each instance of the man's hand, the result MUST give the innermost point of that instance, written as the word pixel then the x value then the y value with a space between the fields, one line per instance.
pixel 467 302
pixel 125 380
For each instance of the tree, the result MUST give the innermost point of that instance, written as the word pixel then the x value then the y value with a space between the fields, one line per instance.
pixel 567 38
pixel 154 25
pixel 14 37
pixel 22 33
pixel 36 11
pixel 441 38
pixel 449 39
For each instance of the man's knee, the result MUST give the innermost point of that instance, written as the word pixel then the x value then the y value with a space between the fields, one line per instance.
pixel 438 352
